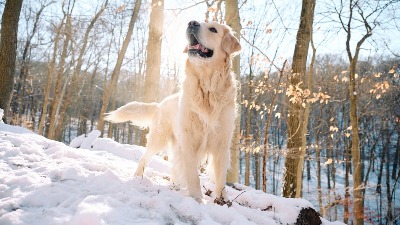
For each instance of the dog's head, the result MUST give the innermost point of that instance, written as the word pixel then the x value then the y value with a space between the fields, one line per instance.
pixel 210 42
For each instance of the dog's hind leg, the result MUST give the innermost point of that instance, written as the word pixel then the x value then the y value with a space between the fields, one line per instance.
pixel 153 147
pixel 156 141
pixel 143 162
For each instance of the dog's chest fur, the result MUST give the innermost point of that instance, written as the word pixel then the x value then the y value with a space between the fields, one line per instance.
pixel 208 93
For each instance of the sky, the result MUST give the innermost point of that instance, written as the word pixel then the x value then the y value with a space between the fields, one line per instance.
pixel 281 18
pixel 269 25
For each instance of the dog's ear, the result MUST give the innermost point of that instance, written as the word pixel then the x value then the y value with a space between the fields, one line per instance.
pixel 230 43
pixel 185 50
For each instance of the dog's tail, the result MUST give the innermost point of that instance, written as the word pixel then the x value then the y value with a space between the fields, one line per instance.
pixel 138 113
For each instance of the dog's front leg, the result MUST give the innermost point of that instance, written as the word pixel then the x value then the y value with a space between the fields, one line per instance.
pixel 220 166
pixel 221 151
pixel 190 138
pixel 188 162
pixel 193 179
pixel 191 175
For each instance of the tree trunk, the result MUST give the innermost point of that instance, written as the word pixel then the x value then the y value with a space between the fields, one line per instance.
pixel 308 164
pixel 266 136
pixel 256 154
pixel 130 134
pixel 248 132
pixel 233 20
pixel 307 108
pixel 247 163
pixel 292 173
pixel 347 187
pixel 333 174
pixel 318 159
pixel 308 216
pixel 59 84
pixel 371 158
pixel 396 157
pixel 389 214
pixel 50 76
pixel 318 156
pixel 355 151
pixel 328 169
pixel 153 59
pixel 355 141
pixel 347 165
pixel 257 170
pixel 111 126
pixel 72 89
pixel 21 82
pixel 92 104
pixel 8 52
pixel 115 73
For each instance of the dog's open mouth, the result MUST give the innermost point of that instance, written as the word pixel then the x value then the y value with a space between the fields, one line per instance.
pixel 196 48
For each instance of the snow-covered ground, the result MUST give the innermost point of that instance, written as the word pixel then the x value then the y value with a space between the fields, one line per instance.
pixel 91 182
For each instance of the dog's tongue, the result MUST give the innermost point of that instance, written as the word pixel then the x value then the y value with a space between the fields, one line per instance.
pixel 204 49
pixel 195 46
pixel 199 47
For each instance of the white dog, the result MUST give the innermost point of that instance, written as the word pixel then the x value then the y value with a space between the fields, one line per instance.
pixel 198 121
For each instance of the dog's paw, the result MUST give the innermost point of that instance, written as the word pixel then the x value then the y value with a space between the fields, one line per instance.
pixel 222 201
pixel 139 172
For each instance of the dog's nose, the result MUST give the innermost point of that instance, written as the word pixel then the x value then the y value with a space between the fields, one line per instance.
pixel 193 23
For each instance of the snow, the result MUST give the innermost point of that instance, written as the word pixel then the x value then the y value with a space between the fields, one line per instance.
pixel 91 182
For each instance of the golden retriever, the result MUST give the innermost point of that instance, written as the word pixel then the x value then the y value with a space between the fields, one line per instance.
pixel 197 122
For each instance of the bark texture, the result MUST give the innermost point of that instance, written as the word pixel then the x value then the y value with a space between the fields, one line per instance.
pixel 153 59
pixel 233 20
pixel 308 216
pixel 8 51
pixel 295 153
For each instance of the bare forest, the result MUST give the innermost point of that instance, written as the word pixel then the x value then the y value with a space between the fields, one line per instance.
pixel 319 87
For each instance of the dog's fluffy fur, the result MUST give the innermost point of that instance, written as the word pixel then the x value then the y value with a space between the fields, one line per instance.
pixel 198 121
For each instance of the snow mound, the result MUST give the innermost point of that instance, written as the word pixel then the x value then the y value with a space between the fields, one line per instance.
pixel 92 182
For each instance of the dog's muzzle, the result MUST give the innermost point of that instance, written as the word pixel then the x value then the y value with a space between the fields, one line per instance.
pixel 195 48
pixel 193 27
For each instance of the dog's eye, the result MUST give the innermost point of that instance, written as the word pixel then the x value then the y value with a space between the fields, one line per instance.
pixel 212 29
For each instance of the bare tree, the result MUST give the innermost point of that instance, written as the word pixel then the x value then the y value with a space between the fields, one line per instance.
pixel 71 93
pixel 153 59
pixel 368 19
pixel 266 132
pixel 8 51
pixel 232 19
pixel 115 73
pixel 292 178
pixel 248 136
pixel 21 81
pixel 59 89
pixel 50 76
